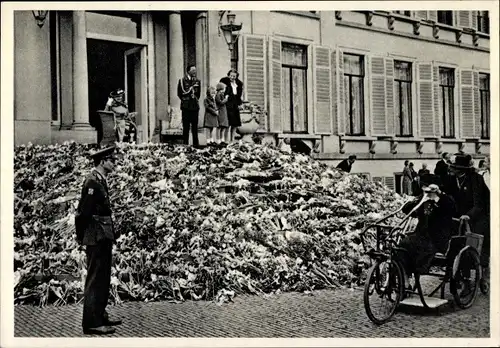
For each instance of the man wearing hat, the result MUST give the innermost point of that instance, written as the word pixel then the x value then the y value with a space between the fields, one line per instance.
pixel 472 198
pixel 434 210
pixel 116 104
pixel 94 229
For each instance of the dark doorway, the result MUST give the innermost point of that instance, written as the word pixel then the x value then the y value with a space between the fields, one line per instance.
pixel 106 72
pixel 188 20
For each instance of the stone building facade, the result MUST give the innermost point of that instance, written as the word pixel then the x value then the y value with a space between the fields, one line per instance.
pixel 384 85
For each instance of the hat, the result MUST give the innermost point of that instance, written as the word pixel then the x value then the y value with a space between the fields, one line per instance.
pixel 429 179
pixel 106 152
pixel 220 86
pixel 117 93
pixel 462 161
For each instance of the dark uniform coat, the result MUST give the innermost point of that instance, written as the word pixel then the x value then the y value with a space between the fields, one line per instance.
pixel 94 228
pixel 433 231
pixel 345 165
pixel 189 106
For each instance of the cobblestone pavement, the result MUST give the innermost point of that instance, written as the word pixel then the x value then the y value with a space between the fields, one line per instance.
pixel 325 313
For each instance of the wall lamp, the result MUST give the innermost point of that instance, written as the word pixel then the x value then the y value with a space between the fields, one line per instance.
pixel 40 17
pixel 230 30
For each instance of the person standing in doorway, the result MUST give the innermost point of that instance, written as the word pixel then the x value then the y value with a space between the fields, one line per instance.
pixel 346 164
pixel 188 91
pixel 234 91
pixel 94 229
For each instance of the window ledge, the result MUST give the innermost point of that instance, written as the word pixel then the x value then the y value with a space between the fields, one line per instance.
pixel 398 16
pixel 298 136
pixel 408 139
pixel 483 141
pixel 447 27
pixel 300 13
pixel 358 137
pixel 450 140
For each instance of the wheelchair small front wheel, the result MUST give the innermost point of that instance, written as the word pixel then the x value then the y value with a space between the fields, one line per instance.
pixel 383 290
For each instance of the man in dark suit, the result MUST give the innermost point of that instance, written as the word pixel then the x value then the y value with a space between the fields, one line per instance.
pixel 472 198
pixel 188 91
pixel 346 164
pixel 442 166
pixel 94 229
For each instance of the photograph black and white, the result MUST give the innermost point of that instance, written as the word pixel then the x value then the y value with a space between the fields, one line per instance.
pixel 284 173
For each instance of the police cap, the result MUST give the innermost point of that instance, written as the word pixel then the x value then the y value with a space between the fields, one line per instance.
pixel 104 153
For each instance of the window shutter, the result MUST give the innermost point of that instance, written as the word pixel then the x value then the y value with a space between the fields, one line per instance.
pixel 474 20
pixel 378 102
pixel 254 73
pixel 438 100
pixel 464 19
pixel 341 116
pixel 477 105
pixel 334 85
pixel 274 59
pixel 389 182
pixel 322 90
pixel 389 95
pixel 425 99
pixel 421 14
pixel 467 103
pixel 432 16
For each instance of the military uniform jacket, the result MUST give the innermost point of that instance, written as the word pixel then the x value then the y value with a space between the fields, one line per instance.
pixel 189 98
pixel 93 220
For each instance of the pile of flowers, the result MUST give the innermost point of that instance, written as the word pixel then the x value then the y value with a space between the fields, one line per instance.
pixel 195 224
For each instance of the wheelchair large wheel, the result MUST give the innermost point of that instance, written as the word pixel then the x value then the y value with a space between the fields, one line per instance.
pixel 466 276
pixel 383 291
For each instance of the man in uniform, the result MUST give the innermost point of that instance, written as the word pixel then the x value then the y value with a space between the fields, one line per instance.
pixel 94 229
pixel 188 91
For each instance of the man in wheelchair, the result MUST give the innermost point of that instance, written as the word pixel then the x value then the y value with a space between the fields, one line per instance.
pixel 434 210
pixel 124 125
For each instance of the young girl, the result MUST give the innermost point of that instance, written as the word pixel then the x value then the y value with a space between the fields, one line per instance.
pixel 211 115
pixel 221 101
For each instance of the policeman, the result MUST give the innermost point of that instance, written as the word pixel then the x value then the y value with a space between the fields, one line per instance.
pixel 94 229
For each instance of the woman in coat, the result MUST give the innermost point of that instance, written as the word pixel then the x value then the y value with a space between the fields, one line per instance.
pixel 234 91
pixel 407 179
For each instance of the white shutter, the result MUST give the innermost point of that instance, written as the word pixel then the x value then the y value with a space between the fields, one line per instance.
pixel 464 19
pixel 438 100
pixel 274 63
pixel 477 105
pixel 474 20
pixel 377 97
pixel 340 98
pixel 467 103
pixel 432 16
pixel 425 99
pixel 322 90
pixel 334 85
pixel 421 14
pixel 254 72
pixel 389 95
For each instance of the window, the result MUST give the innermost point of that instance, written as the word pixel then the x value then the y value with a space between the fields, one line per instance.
pixel 235 53
pixel 484 90
pixel 294 87
pixel 354 93
pixel 402 90
pixel 446 109
pixel 483 22
pixel 403 13
pixel 445 17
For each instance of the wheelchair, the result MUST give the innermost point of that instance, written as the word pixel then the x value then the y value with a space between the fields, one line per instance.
pixel 459 267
